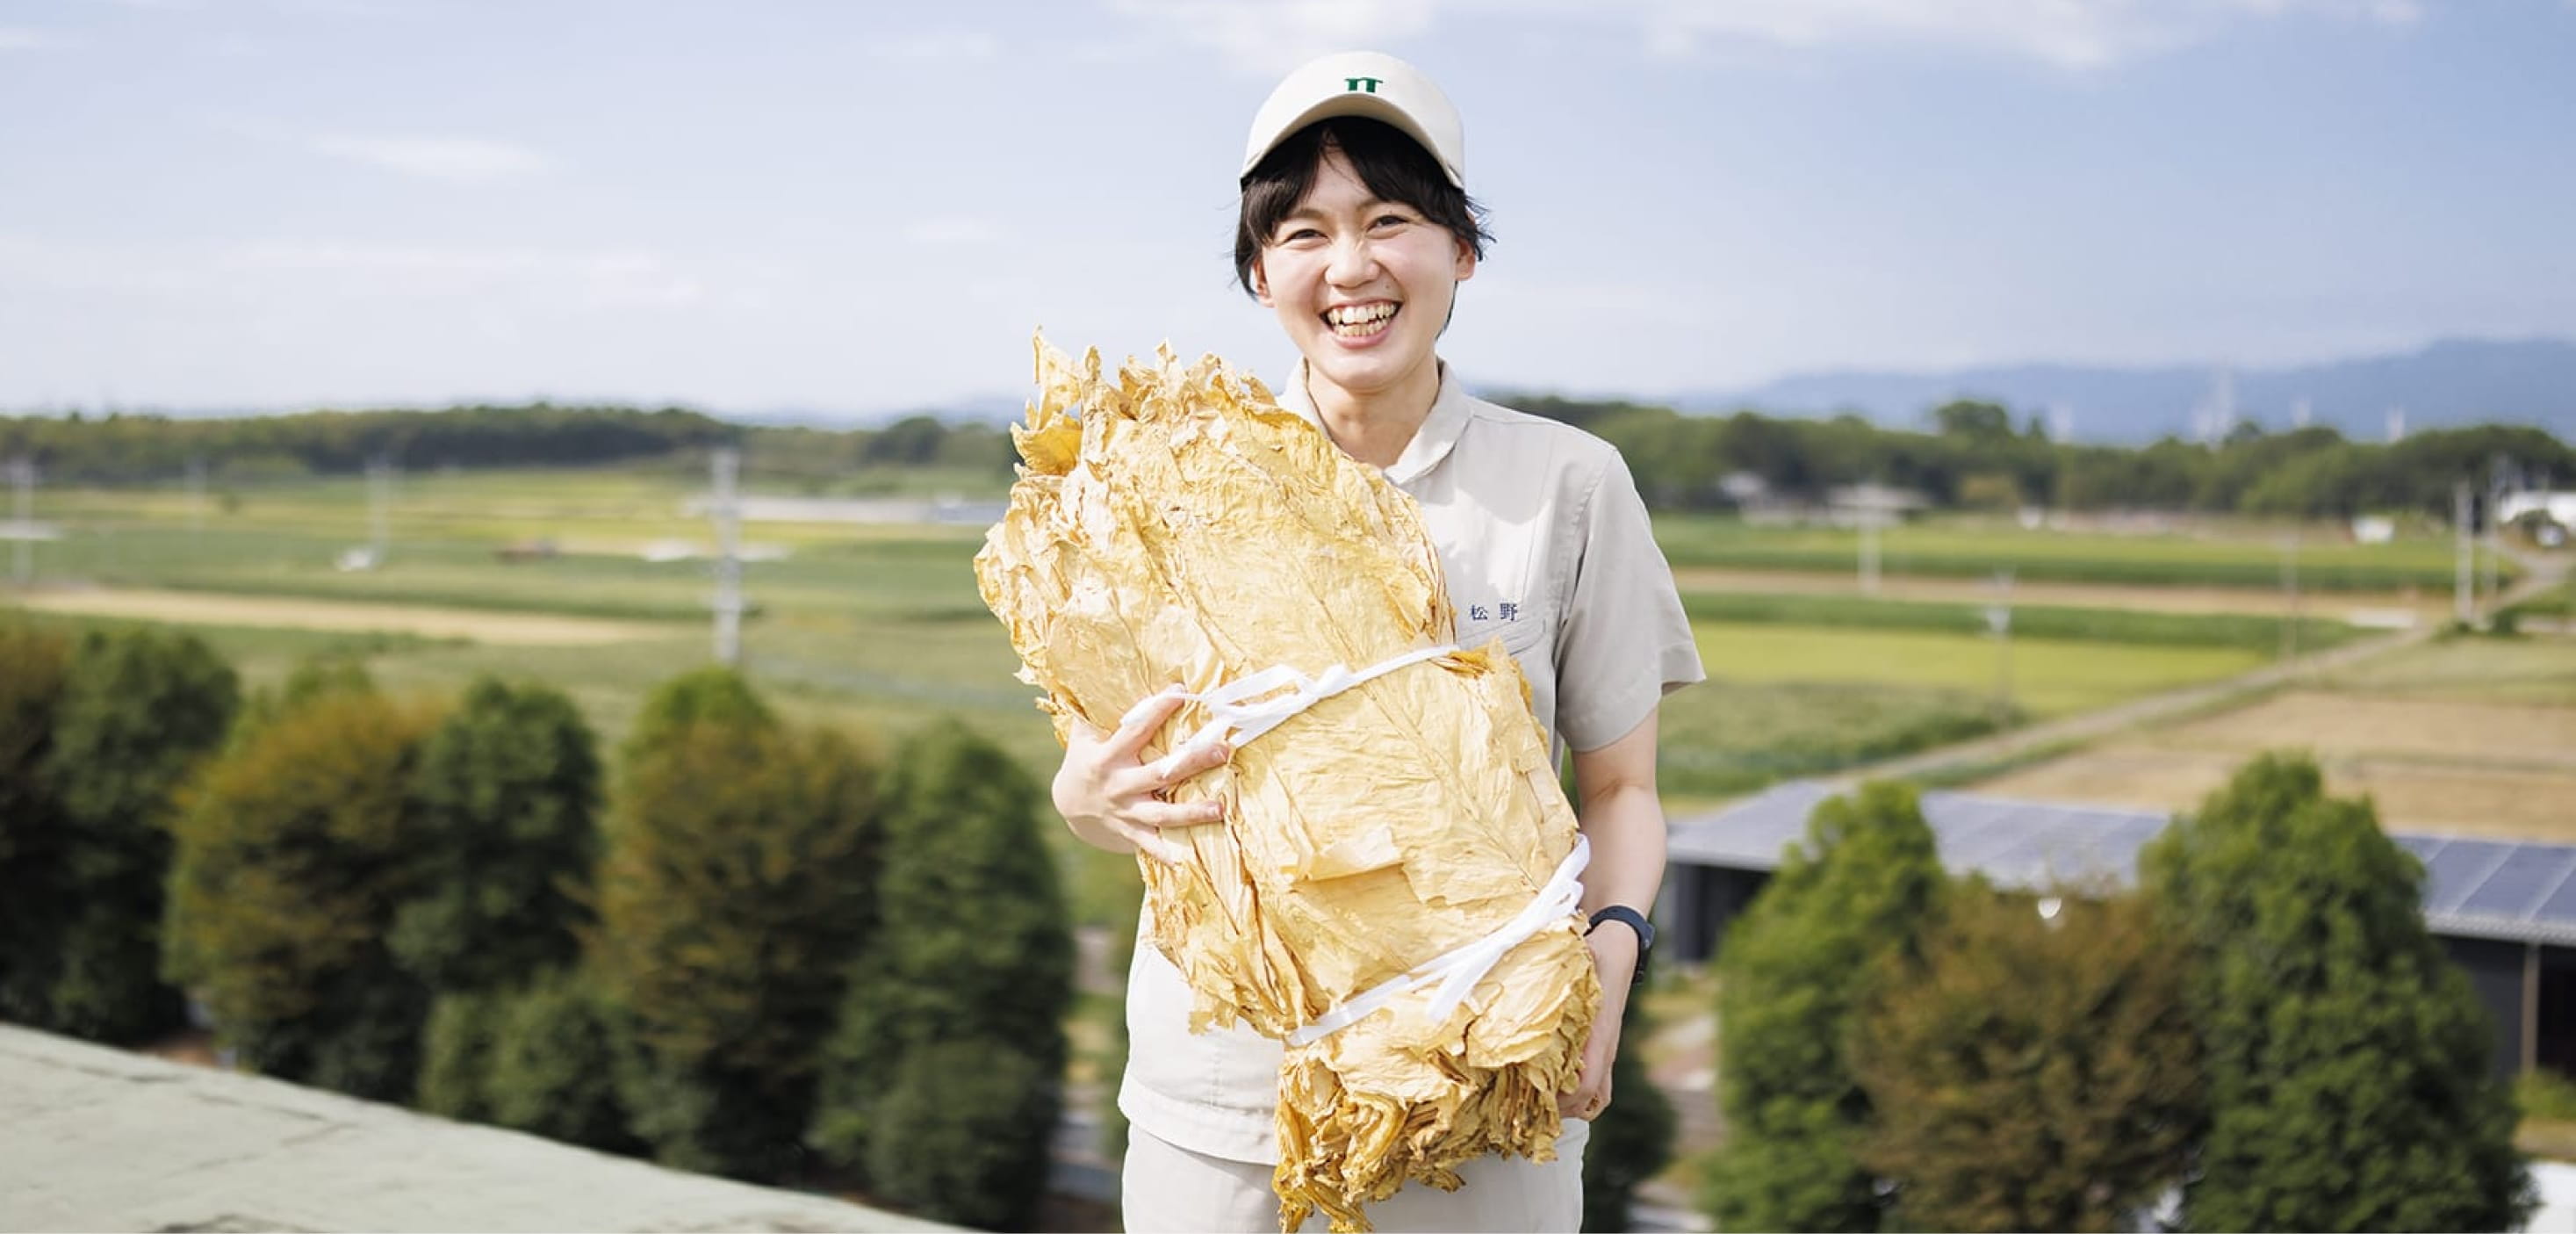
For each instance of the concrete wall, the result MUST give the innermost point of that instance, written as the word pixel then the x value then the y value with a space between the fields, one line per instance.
pixel 98 1139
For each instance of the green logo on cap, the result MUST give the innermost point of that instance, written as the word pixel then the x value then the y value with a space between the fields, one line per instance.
pixel 1361 83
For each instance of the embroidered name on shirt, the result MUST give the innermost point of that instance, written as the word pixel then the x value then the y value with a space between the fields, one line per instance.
pixel 1510 610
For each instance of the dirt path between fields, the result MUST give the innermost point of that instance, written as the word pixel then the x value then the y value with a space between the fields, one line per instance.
pixel 286 613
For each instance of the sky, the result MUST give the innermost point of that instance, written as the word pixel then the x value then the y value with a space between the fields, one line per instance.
pixel 853 209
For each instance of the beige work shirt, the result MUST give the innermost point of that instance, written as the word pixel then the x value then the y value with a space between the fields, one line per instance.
pixel 1544 542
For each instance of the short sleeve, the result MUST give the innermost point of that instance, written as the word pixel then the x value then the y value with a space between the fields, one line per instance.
pixel 1623 642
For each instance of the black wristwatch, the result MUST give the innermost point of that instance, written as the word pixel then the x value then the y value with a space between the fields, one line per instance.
pixel 1632 919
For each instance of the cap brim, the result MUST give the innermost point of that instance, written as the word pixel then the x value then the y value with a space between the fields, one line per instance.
pixel 1367 106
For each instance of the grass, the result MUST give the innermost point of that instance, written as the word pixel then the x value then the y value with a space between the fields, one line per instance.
pixel 1734 737
pixel 1956 549
pixel 2548 1103
pixel 2522 671
pixel 2047 677
pixel 2242 631
pixel 2558 603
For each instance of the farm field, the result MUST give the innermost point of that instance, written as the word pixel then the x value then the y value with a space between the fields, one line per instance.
pixel 2248 557
pixel 2049 677
pixel 879 626
pixel 2468 736
pixel 2261 601
pixel 214 608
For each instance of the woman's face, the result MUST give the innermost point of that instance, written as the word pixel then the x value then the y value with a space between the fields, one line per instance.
pixel 1362 286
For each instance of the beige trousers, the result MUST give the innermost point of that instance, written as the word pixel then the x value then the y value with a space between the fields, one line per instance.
pixel 1165 1189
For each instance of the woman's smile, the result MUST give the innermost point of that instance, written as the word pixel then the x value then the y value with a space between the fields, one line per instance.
pixel 1361 323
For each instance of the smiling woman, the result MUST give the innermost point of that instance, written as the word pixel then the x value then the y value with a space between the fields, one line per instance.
pixel 1356 231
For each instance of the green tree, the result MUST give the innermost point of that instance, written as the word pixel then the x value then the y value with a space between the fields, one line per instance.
pixel 504 797
pixel 2033 1073
pixel 736 891
pixel 2348 1060
pixel 1835 919
pixel 975 947
pixel 1632 1140
pixel 289 865
pixel 34 665
pixel 1123 925
pixel 1973 419
pixel 553 1063
pixel 456 1054
pixel 141 708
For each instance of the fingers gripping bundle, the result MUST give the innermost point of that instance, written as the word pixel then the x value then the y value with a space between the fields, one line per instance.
pixel 1185 528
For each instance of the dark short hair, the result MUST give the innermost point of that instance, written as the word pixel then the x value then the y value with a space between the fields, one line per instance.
pixel 1394 167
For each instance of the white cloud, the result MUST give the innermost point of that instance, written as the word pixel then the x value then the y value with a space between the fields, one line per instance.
pixel 953 229
pixel 18 38
pixel 2067 34
pixel 1271 36
pixel 463 159
pixel 607 279
pixel 938 46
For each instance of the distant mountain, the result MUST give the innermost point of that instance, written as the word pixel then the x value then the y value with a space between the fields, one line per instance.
pixel 2453 382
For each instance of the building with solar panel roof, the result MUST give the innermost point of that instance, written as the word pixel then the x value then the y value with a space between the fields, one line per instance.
pixel 2505 910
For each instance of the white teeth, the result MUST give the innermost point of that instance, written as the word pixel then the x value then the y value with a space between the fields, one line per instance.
pixel 1359 315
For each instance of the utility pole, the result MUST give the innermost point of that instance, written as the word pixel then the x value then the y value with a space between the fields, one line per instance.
pixel 380 475
pixel 727 513
pixel 2463 600
pixel 2498 472
pixel 2290 584
pixel 1999 623
pixel 22 471
pixel 1867 502
pixel 197 494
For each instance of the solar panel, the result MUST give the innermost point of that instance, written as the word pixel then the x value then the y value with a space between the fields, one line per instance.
pixel 2422 846
pixel 2560 906
pixel 2528 873
pixel 2486 882
pixel 2457 869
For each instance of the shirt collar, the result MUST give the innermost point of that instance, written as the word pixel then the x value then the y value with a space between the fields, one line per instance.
pixel 1431 443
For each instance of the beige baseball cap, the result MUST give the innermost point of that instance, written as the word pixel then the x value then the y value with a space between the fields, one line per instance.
pixel 1362 83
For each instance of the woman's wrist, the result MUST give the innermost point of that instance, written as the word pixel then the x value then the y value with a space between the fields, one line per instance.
pixel 1614 954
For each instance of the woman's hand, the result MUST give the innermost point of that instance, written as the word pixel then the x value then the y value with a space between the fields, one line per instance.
pixel 1614 955
pixel 1114 800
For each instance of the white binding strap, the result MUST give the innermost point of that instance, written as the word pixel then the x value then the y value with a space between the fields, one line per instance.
pixel 1234 719
pixel 1458 971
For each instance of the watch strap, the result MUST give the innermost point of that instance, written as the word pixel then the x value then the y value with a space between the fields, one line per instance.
pixel 1630 918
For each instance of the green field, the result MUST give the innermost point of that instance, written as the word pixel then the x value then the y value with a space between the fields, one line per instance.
pixel 880 627
pixel 1963 550
pixel 2047 677
pixel 2095 625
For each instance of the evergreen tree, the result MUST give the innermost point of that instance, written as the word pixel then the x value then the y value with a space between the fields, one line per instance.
pixel 140 710
pixel 34 665
pixel 552 1063
pixel 975 950
pixel 289 865
pixel 2033 1073
pixel 456 1054
pixel 1123 926
pixel 1632 1140
pixel 2348 1059
pixel 736 891
pixel 505 794
pixel 1792 974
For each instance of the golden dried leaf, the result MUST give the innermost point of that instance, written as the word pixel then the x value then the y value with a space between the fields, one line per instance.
pixel 1184 527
